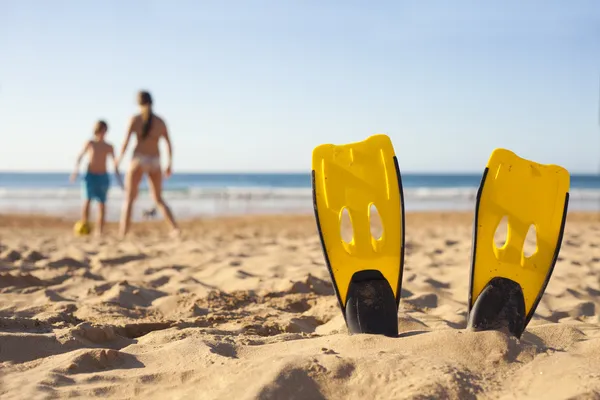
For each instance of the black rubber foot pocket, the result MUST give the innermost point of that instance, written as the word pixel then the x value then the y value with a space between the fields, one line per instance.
pixel 500 306
pixel 370 305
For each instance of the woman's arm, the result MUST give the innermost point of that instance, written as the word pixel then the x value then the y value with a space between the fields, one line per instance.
pixel 168 171
pixel 130 131
pixel 111 154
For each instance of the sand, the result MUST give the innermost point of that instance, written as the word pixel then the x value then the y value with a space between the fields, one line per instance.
pixel 242 308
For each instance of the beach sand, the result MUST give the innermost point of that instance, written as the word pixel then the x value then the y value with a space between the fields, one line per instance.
pixel 243 308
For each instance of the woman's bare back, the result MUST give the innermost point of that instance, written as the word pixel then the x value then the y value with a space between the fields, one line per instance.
pixel 149 145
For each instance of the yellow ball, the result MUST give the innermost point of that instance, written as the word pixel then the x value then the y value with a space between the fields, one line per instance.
pixel 82 229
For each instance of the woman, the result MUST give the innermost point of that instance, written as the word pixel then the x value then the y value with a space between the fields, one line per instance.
pixel 149 129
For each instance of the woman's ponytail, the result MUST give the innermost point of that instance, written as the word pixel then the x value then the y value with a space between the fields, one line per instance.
pixel 145 100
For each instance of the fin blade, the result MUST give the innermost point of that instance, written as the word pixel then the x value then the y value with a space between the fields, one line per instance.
pixel 354 176
pixel 528 193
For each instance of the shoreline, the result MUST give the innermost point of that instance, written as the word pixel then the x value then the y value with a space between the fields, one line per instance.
pixel 26 220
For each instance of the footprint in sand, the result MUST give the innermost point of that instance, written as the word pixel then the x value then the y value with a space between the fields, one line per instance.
pixel 279 384
pixel 312 284
pixel 585 309
pixel 243 274
pixel 133 331
pixel 30 325
pixel 11 255
pixel 574 310
pixel 54 297
pixel 592 291
pixel 223 349
pixel 89 361
pixel 94 333
pixel 429 300
pixel 437 284
pixel 33 256
pixel 21 281
pixel 125 295
pixel 436 252
pixel 161 281
pixel 177 268
pixel 122 260
pixel 67 262
pixel 410 247
pixel 303 324
pixel 572 243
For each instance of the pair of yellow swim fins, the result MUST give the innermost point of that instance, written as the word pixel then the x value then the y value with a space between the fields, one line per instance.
pixel 505 285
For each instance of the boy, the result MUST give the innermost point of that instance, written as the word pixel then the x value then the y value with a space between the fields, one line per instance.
pixel 96 178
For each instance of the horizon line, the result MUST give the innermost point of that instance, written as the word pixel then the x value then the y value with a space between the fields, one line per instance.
pixel 280 172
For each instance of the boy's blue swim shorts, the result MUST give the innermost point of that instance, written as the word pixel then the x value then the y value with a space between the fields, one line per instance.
pixel 96 186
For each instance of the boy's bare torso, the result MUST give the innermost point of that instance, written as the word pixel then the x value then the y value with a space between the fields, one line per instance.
pixel 98 153
pixel 149 145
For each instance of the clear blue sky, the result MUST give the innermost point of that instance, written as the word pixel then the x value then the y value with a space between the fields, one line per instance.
pixel 256 85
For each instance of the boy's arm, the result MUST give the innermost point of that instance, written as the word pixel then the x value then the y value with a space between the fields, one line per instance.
pixel 126 141
pixel 111 153
pixel 78 161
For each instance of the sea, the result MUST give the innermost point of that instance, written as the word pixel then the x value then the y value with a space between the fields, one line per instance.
pixel 213 194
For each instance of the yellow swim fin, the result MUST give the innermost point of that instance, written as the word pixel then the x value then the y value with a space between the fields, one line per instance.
pixel 506 285
pixel 366 271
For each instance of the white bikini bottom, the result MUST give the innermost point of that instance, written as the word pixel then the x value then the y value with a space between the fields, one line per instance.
pixel 148 163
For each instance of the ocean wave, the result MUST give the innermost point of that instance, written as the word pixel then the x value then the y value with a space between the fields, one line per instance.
pixel 256 193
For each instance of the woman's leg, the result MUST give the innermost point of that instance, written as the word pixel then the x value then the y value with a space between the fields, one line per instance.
pixel 132 183
pixel 155 182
